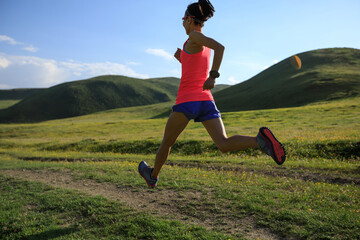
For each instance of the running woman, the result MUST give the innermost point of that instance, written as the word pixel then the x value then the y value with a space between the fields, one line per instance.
pixel 195 101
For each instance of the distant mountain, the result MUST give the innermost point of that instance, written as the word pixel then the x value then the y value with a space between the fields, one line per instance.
pixel 326 74
pixel 88 96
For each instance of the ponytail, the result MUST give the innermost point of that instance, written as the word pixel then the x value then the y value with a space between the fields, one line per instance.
pixel 206 8
pixel 202 11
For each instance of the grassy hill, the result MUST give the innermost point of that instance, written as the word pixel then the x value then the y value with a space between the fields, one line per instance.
pixel 326 74
pixel 19 93
pixel 88 96
pixel 10 97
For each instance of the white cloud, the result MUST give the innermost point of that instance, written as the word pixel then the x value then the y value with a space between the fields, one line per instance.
pixel 9 40
pixel 232 80
pixel 34 72
pixel 4 63
pixel 161 53
pixel 4 86
pixel 134 63
pixel 31 48
pixel 100 68
pixel 30 72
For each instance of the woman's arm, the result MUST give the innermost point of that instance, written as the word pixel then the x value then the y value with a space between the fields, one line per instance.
pixel 201 40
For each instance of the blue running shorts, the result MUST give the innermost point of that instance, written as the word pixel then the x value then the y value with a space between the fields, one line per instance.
pixel 199 110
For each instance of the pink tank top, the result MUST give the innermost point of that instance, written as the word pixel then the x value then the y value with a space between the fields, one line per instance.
pixel 194 72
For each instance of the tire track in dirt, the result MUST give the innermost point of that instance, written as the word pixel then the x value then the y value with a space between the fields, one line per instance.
pixel 167 203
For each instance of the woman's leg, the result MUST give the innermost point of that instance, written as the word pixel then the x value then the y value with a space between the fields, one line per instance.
pixel 216 130
pixel 174 126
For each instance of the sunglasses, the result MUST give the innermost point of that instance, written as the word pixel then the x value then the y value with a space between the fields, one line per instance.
pixel 184 18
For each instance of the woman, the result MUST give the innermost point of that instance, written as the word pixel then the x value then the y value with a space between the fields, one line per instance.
pixel 195 101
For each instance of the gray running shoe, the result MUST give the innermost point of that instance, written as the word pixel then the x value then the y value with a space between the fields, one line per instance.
pixel 145 171
pixel 270 145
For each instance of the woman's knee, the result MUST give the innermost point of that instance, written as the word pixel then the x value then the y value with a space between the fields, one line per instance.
pixel 223 146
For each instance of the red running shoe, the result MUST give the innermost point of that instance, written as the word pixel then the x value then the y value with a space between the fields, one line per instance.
pixel 270 145
pixel 145 171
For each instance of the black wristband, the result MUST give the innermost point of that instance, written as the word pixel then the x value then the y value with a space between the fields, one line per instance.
pixel 214 74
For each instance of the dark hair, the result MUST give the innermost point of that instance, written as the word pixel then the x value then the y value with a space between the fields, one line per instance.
pixel 202 11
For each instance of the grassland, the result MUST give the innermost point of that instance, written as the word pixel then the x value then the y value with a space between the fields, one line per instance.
pixel 77 177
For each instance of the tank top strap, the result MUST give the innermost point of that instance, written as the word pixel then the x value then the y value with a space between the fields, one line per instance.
pixel 185 43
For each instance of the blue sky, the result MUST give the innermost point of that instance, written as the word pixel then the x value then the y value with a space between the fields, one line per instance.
pixel 47 42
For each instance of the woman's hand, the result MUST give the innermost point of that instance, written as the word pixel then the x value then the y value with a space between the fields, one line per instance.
pixel 209 84
pixel 178 54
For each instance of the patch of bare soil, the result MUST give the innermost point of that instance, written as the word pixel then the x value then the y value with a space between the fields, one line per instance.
pixel 190 207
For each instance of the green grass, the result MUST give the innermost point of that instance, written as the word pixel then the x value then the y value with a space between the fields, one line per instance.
pixel 293 208
pixel 36 211
pixel 314 195
pixel 334 121
pixel 7 103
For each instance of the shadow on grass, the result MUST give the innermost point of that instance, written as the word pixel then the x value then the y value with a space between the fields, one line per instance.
pixel 165 114
pixel 51 234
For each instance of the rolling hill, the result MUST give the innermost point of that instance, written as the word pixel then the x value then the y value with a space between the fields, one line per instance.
pixel 19 93
pixel 88 96
pixel 326 74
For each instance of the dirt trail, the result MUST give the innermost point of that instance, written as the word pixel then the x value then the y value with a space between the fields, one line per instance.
pixel 164 203
pixel 305 174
